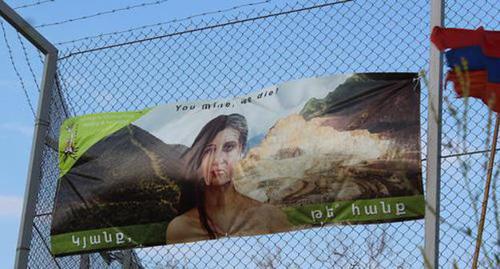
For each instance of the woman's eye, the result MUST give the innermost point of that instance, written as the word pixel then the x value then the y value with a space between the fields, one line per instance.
pixel 207 151
pixel 229 147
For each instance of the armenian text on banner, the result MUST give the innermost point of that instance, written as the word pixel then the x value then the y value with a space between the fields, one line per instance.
pixel 339 149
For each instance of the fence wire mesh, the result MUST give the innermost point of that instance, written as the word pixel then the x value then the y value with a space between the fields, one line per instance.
pixel 467 130
pixel 236 52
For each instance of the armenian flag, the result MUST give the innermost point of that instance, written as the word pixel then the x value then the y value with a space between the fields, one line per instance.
pixel 473 59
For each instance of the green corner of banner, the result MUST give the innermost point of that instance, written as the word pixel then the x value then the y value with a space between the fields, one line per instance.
pixel 359 211
pixel 78 134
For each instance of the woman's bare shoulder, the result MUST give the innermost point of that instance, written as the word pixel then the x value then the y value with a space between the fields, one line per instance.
pixel 185 228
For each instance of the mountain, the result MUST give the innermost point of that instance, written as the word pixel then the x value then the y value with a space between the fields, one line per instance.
pixel 361 141
pixel 385 104
pixel 130 177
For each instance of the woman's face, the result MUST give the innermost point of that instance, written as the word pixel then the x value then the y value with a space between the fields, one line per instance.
pixel 220 156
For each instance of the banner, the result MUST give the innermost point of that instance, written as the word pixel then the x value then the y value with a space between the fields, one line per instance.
pixel 338 149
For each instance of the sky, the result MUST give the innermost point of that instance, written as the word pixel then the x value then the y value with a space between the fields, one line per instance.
pixel 16 123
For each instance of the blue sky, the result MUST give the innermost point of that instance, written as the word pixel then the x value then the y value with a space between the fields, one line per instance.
pixel 16 123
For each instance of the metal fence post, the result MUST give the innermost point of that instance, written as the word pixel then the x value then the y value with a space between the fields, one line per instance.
pixel 34 174
pixel 40 132
pixel 33 182
pixel 126 259
pixel 84 261
pixel 433 184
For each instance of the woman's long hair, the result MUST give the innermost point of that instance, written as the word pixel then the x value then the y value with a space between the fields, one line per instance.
pixel 194 157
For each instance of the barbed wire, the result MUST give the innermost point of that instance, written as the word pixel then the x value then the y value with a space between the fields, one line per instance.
pixel 102 13
pixel 34 4
pixel 28 62
pixel 167 22
pixel 11 57
pixel 230 22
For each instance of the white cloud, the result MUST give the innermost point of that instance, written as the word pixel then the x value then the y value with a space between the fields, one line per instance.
pixel 23 129
pixel 10 206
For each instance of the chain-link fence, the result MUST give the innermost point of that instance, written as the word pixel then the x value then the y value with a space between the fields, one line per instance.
pixel 244 49
pixel 467 131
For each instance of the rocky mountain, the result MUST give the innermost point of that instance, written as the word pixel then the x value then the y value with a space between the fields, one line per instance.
pixel 385 104
pixel 360 141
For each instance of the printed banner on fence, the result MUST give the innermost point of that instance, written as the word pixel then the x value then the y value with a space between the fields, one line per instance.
pixel 338 149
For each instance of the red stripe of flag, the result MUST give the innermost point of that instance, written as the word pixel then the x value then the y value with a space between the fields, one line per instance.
pixel 473 57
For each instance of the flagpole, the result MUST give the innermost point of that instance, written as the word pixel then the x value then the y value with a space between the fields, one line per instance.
pixel 486 194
